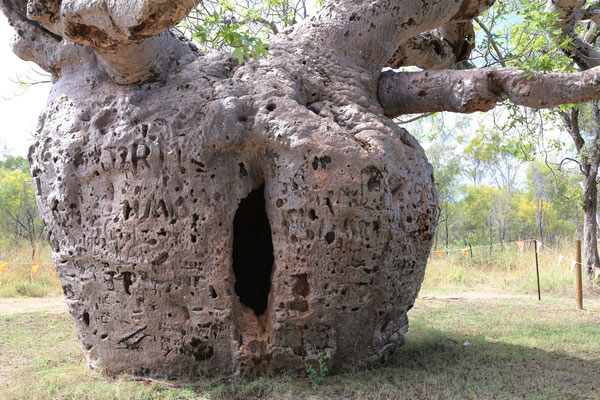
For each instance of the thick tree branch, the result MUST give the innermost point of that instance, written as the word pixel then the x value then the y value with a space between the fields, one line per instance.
pixel 31 42
pixel 569 12
pixel 448 46
pixel 128 36
pixel 571 122
pixel 106 23
pixel 479 90
pixel 368 33
pixel 592 13
pixel 426 51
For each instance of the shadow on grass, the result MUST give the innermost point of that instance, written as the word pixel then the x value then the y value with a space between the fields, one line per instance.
pixel 438 365
pixel 434 364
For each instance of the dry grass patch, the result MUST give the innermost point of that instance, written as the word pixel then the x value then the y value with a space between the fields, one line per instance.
pixel 18 280
pixel 507 269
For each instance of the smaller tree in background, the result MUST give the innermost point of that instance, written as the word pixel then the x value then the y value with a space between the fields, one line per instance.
pixel 447 171
pixel 554 35
pixel 19 216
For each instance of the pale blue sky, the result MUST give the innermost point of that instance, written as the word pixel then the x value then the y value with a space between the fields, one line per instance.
pixel 17 113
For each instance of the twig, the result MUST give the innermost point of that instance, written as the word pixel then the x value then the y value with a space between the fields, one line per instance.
pixel 225 378
pixel 418 117
pixel 492 41
pixel 152 380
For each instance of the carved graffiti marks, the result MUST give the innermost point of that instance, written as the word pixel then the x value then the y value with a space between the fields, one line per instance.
pixel 133 340
pixel 141 209
pixel 157 194
pixel 135 157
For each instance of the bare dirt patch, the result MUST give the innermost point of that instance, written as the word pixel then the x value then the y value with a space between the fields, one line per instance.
pixel 589 299
pixel 53 305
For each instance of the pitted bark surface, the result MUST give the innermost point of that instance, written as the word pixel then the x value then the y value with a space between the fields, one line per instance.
pixel 233 219
pixel 139 187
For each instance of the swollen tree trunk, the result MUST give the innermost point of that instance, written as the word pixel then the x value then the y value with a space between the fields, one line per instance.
pixel 203 214
pixel 240 218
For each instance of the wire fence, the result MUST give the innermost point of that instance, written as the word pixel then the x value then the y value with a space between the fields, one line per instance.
pixel 520 246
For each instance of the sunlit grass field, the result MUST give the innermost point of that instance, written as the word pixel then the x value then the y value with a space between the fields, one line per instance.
pixel 515 348
pixel 18 280
pixel 507 269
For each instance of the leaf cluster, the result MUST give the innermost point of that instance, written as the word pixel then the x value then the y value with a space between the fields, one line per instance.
pixel 242 27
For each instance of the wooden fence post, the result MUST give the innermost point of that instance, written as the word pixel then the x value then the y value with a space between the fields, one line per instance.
pixel 578 279
pixel 537 268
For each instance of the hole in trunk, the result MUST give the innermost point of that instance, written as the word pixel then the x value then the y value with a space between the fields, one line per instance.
pixel 252 251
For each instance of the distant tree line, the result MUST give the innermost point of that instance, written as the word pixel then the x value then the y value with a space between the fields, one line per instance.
pixel 493 189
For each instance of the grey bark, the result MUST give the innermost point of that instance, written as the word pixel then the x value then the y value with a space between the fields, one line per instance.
pixel 589 156
pixel 154 164
pixel 150 173
pixel 446 47
pixel 590 228
pixel 480 90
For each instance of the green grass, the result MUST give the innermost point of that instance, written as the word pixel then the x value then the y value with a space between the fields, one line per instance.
pixel 520 349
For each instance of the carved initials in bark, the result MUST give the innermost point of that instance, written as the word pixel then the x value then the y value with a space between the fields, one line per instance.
pixel 139 185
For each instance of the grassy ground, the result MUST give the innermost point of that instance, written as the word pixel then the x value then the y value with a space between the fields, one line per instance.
pixel 519 349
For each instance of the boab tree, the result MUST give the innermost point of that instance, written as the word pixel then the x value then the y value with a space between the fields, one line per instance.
pixel 248 217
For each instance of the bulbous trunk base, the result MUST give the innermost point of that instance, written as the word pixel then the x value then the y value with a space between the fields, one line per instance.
pixel 139 187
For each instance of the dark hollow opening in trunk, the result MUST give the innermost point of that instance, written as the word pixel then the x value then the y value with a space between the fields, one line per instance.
pixel 252 251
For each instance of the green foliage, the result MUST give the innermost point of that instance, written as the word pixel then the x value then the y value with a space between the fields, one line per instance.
pixel 243 27
pixel 482 194
pixel 525 31
pixel 318 375
pixel 218 31
pixel 15 163
pixel 18 214
pixel 528 38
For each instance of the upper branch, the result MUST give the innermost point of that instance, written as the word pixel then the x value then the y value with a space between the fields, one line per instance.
pixel 571 122
pixel 479 90
pixel 31 42
pixel 128 36
pixel 569 12
pixel 369 32
pixel 105 24
pixel 448 46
